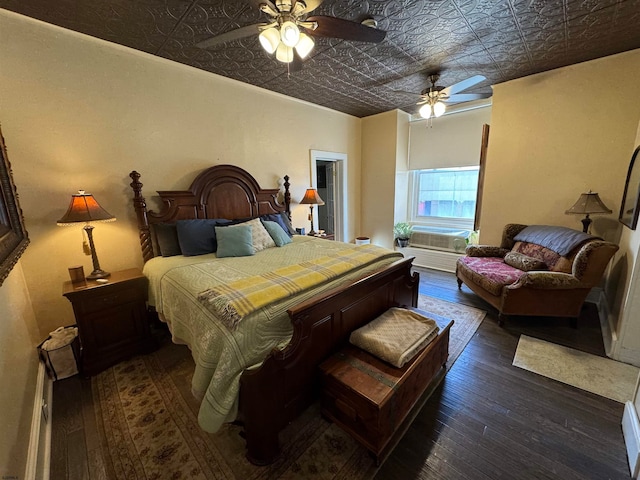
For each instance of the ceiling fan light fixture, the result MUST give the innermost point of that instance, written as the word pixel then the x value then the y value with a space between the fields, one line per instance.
pixel 304 45
pixel 284 53
pixel 289 33
pixel 438 109
pixel 425 111
pixel 270 39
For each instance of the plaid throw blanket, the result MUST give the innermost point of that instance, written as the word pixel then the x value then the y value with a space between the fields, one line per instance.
pixel 233 301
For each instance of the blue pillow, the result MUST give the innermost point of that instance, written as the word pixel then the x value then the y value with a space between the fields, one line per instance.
pixel 197 236
pixel 167 236
pixel 234 241
pixel 279 218
pixel 280 237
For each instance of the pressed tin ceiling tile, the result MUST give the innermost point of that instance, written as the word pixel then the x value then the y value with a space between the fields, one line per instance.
pixel 500 39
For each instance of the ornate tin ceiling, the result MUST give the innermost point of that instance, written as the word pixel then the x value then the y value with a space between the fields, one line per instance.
pixel 501 40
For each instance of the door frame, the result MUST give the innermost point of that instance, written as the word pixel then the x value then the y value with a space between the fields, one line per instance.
pixel 340 197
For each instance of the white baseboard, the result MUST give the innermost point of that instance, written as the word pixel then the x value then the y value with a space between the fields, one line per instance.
pixel 436 259
pixel 631 432
pixel 39 454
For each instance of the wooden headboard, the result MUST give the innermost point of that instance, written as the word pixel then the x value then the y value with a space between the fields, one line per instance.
pixel 221 191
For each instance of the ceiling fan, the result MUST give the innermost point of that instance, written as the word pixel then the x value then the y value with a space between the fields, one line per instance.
pixel 289 30
pixel 434 98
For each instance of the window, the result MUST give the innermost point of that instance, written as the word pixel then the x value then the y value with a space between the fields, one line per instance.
pixel 445 197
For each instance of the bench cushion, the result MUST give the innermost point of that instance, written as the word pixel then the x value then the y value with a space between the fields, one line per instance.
pixel 396 336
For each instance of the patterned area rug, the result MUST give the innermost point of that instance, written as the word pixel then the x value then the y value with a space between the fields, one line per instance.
pixel 147 420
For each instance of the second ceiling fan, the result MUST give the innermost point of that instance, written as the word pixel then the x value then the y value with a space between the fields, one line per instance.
pixel 289 31
pixel 434 98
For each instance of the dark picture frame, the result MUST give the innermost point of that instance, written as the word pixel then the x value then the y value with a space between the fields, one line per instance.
pixel 13 234
pixel 629 209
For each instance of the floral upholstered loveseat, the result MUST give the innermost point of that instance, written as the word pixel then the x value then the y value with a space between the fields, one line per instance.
pixel 537 270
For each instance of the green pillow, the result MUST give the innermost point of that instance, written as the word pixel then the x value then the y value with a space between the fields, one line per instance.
pixel 280 237
pixel 234 241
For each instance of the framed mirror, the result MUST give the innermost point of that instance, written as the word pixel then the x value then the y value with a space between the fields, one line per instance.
pixel 629 208
pixel 13 234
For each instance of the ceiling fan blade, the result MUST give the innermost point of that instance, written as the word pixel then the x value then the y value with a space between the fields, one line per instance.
pixel 463 85
pixel 312 5
pixel 345 29
pixel 231 35
pixel 465 97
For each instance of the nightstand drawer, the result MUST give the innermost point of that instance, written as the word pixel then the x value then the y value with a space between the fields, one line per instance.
pixel 111 298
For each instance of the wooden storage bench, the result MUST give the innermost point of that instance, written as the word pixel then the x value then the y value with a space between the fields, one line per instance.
pixel 371 399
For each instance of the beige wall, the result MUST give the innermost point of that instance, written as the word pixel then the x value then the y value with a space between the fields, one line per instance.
pixel 624 318
pixel 18 369
pixel 556 135
pixel 384 138
pixel 82 113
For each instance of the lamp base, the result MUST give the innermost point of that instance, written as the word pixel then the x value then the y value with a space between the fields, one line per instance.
pixel 98 274
pixel 586 223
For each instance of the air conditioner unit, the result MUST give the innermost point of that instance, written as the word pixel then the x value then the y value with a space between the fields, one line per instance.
pixel 445 239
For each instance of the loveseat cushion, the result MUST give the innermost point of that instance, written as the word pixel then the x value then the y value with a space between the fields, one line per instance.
pixel 523 262
pixel 552 260
pixel 490 273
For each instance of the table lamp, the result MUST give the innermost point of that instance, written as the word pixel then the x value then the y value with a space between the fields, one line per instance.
pixel 311 198
pixel 587 204
pixel 85 208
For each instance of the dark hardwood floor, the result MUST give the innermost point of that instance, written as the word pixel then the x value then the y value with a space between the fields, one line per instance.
pixel 486 420
pixel 491 420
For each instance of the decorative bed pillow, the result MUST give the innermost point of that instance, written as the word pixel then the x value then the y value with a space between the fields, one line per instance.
pixel 198 236
pixel 396 336
pixel 524 262
pixel 167 236
pixel 234 241
pixel 287 221
pixel 280 237
pixel 261 238
pixel 279 219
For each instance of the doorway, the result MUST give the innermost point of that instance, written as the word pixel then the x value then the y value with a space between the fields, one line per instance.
pixel 325 172
pixel 328 176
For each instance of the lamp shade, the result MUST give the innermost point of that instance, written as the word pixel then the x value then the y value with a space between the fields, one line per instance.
pixel 311 197
pixel 284 54
pixel 270 39
pixel 425 111
pixel 589 203
pixel 289 33
pixel 439 109
pixel 304 45
pixel 85 208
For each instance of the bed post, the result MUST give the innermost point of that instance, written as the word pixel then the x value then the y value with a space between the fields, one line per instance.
pixel 287 196
pixel 140 207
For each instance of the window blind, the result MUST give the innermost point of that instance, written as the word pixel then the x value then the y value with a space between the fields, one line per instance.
pixel 453 141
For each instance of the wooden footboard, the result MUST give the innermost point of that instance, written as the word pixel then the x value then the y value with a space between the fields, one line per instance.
pixel 288 381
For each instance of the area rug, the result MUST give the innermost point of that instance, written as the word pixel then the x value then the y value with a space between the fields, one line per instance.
pixel 466 321
pixel 599 375
pixel 147 421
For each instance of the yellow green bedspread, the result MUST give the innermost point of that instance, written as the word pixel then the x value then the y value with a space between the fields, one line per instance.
pixel 221 353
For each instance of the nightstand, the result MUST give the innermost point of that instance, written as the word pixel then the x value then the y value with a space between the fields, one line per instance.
pixel 112 319
pixel 329 236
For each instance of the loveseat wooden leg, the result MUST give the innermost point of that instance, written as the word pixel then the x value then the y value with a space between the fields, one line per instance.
pixel 459 283
pixel 501 319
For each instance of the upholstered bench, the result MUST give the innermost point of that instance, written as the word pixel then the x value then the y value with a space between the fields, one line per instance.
pixel 374 401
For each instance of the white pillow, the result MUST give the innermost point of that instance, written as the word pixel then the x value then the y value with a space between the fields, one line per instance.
pixel 260 237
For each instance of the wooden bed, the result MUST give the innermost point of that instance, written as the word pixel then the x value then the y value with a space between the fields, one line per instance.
pixel 286 382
